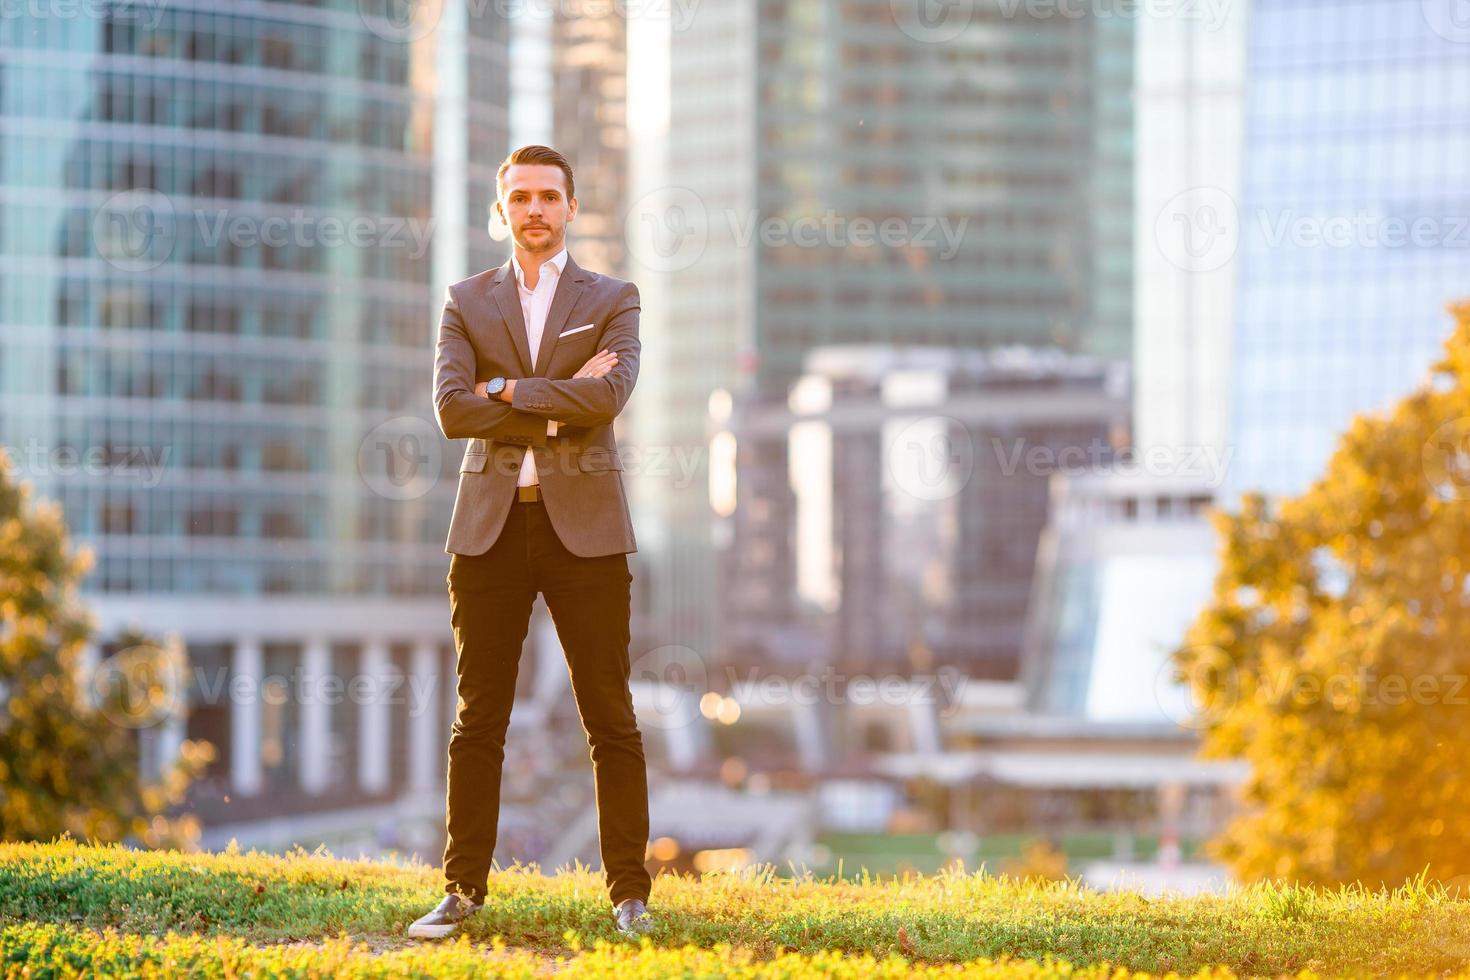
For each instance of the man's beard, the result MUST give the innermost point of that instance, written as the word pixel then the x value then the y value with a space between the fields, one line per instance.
pixel 549 242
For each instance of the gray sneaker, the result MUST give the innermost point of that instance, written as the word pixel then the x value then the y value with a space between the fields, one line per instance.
pixel 445 918
pixel 633 917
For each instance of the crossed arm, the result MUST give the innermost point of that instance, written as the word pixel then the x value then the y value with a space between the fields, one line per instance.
pixel 462 414
pixel 593 399
pixel 529 409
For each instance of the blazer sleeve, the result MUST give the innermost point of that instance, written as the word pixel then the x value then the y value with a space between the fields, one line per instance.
pixel 461 413
pixel 591 401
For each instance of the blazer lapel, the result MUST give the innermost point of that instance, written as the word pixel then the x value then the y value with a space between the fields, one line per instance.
pixel 568 287
pixel 507 297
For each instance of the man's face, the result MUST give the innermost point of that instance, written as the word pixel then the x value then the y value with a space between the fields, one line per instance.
pixel 535 205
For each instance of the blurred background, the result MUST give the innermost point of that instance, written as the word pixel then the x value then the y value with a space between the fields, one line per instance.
pixel 958 321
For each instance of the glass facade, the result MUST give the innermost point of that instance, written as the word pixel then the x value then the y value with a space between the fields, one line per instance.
pixel 845 174
pixel 224 248
pixel 1357 132
pixel 998 163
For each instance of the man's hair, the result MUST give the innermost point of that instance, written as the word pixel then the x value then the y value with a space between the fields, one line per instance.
pixel 535 154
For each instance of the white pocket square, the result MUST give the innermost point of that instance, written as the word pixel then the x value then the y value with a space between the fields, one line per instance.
pixel 585 326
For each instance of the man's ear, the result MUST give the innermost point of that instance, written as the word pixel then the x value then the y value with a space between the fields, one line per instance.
pixel 497 226
pixel 571 210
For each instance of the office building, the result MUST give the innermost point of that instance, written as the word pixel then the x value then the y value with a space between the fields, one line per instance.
pixel 226 233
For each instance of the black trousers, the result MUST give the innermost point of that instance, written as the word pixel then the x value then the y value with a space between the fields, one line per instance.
pixel 590 603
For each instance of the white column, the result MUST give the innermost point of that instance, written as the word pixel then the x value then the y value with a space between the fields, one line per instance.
pixel 87 664
pixel 316 719
pixel 425 689
pixel 375 717
pixel 247 666
pixel 171 734
pixel 174 727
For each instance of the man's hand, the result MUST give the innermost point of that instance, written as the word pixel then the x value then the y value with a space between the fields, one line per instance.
pixel 598 364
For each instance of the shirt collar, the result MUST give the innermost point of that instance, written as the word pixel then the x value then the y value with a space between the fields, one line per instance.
pixel 557 262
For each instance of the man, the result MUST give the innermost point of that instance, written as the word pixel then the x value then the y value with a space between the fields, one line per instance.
pixel 535 359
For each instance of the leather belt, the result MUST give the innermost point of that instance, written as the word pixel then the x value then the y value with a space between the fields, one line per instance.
pixel 528 495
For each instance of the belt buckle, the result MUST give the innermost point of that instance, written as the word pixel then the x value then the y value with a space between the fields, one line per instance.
pixel 530 494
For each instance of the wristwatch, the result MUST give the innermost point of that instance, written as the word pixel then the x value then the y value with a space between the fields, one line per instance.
pixel 494 387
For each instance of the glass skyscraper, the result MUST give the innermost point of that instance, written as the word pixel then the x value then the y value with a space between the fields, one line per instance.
pixel 225 233
pixel 1354 222
pixel 854 173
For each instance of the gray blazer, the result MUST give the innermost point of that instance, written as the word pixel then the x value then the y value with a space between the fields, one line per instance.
pixel 482 334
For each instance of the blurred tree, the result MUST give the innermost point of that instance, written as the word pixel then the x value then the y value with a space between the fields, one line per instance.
pixel 1041 860
pixel 1335 652
pixel 69 751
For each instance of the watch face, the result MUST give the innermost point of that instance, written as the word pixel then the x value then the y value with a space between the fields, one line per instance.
pixel 495 386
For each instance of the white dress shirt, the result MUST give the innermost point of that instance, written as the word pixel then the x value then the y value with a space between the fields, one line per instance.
pixel 535 304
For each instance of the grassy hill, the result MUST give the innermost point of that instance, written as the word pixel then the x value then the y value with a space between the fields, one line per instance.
pixel 68 909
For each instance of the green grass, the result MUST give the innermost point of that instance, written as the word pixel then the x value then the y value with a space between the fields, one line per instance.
pixel 892 853
pixel 258 905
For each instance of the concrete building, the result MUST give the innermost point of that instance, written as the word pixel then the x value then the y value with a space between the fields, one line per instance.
pixel 1352 227
pixel 887 513
pixel 997 156
pixel 227 231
